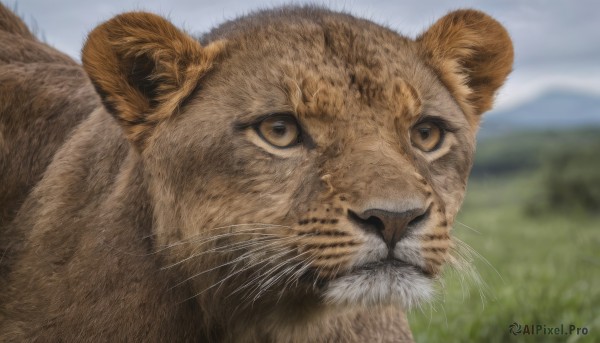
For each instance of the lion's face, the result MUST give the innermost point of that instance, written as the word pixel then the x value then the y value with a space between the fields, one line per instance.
pixel 319 156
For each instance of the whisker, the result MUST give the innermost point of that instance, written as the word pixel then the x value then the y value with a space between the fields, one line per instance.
pixel 289 279
pixel 272 280
pixel 225 279
pixel 256 226
pixel 219 228
pixel 263 275
pixel 264 285
pixel 468 227
pixel 470 249
pixel 466 268
pixel 259 275
pixel 202 241
pixel 236 260
pixel 191 240
pixel 240 245
pixel 306 264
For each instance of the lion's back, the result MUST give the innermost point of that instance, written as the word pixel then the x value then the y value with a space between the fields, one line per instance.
pixel 44 94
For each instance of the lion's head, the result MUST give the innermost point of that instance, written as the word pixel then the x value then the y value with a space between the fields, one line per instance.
pixel 302 156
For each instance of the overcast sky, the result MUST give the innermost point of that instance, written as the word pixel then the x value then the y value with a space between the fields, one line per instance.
pixel 557 43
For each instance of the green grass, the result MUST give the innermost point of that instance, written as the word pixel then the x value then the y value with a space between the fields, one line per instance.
pixel 543 269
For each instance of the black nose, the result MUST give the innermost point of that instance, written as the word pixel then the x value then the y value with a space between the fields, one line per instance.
pixel 391 226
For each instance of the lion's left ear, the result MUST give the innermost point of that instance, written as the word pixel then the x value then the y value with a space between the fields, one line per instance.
pixel 473 54
pixel 143 67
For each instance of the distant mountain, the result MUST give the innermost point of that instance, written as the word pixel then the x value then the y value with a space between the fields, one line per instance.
pixel 555 110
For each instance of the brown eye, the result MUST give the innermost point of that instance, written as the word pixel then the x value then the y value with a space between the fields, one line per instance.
pixel 281 131
pixel 427 136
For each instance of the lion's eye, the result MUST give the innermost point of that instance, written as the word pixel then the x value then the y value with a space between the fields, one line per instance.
pixel 427 136
pixel 281 131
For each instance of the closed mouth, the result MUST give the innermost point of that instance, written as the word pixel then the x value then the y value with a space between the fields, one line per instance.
pixel 386 265
pixel 390 263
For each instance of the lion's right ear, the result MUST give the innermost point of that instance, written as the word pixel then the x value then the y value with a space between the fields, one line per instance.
pixel 143 68
pixel 473 55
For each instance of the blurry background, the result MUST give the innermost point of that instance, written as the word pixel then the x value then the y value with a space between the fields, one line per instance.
pixel 532 212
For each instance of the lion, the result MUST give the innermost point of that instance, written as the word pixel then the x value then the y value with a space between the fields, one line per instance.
pixel 292 175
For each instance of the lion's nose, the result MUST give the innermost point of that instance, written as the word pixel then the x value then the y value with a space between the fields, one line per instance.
pixel 391 226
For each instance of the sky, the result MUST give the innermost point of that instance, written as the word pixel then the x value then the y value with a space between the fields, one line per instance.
pixel 557 43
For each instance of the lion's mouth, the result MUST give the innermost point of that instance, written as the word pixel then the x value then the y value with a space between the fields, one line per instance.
pixel 380 282
pixel 390 264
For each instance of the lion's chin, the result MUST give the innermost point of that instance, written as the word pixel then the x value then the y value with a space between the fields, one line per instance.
pixel 381 283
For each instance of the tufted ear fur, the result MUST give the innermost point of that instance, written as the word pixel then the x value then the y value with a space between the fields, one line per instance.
pixel 143 67
pixel 473 54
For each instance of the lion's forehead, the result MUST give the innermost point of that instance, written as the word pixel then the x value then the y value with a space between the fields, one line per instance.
pixel 350 93
pixel 328 65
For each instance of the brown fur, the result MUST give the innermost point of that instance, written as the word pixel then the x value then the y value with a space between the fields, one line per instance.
pixel 472 54
pixel 34 82
pixel 178 222
pixel 144 68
